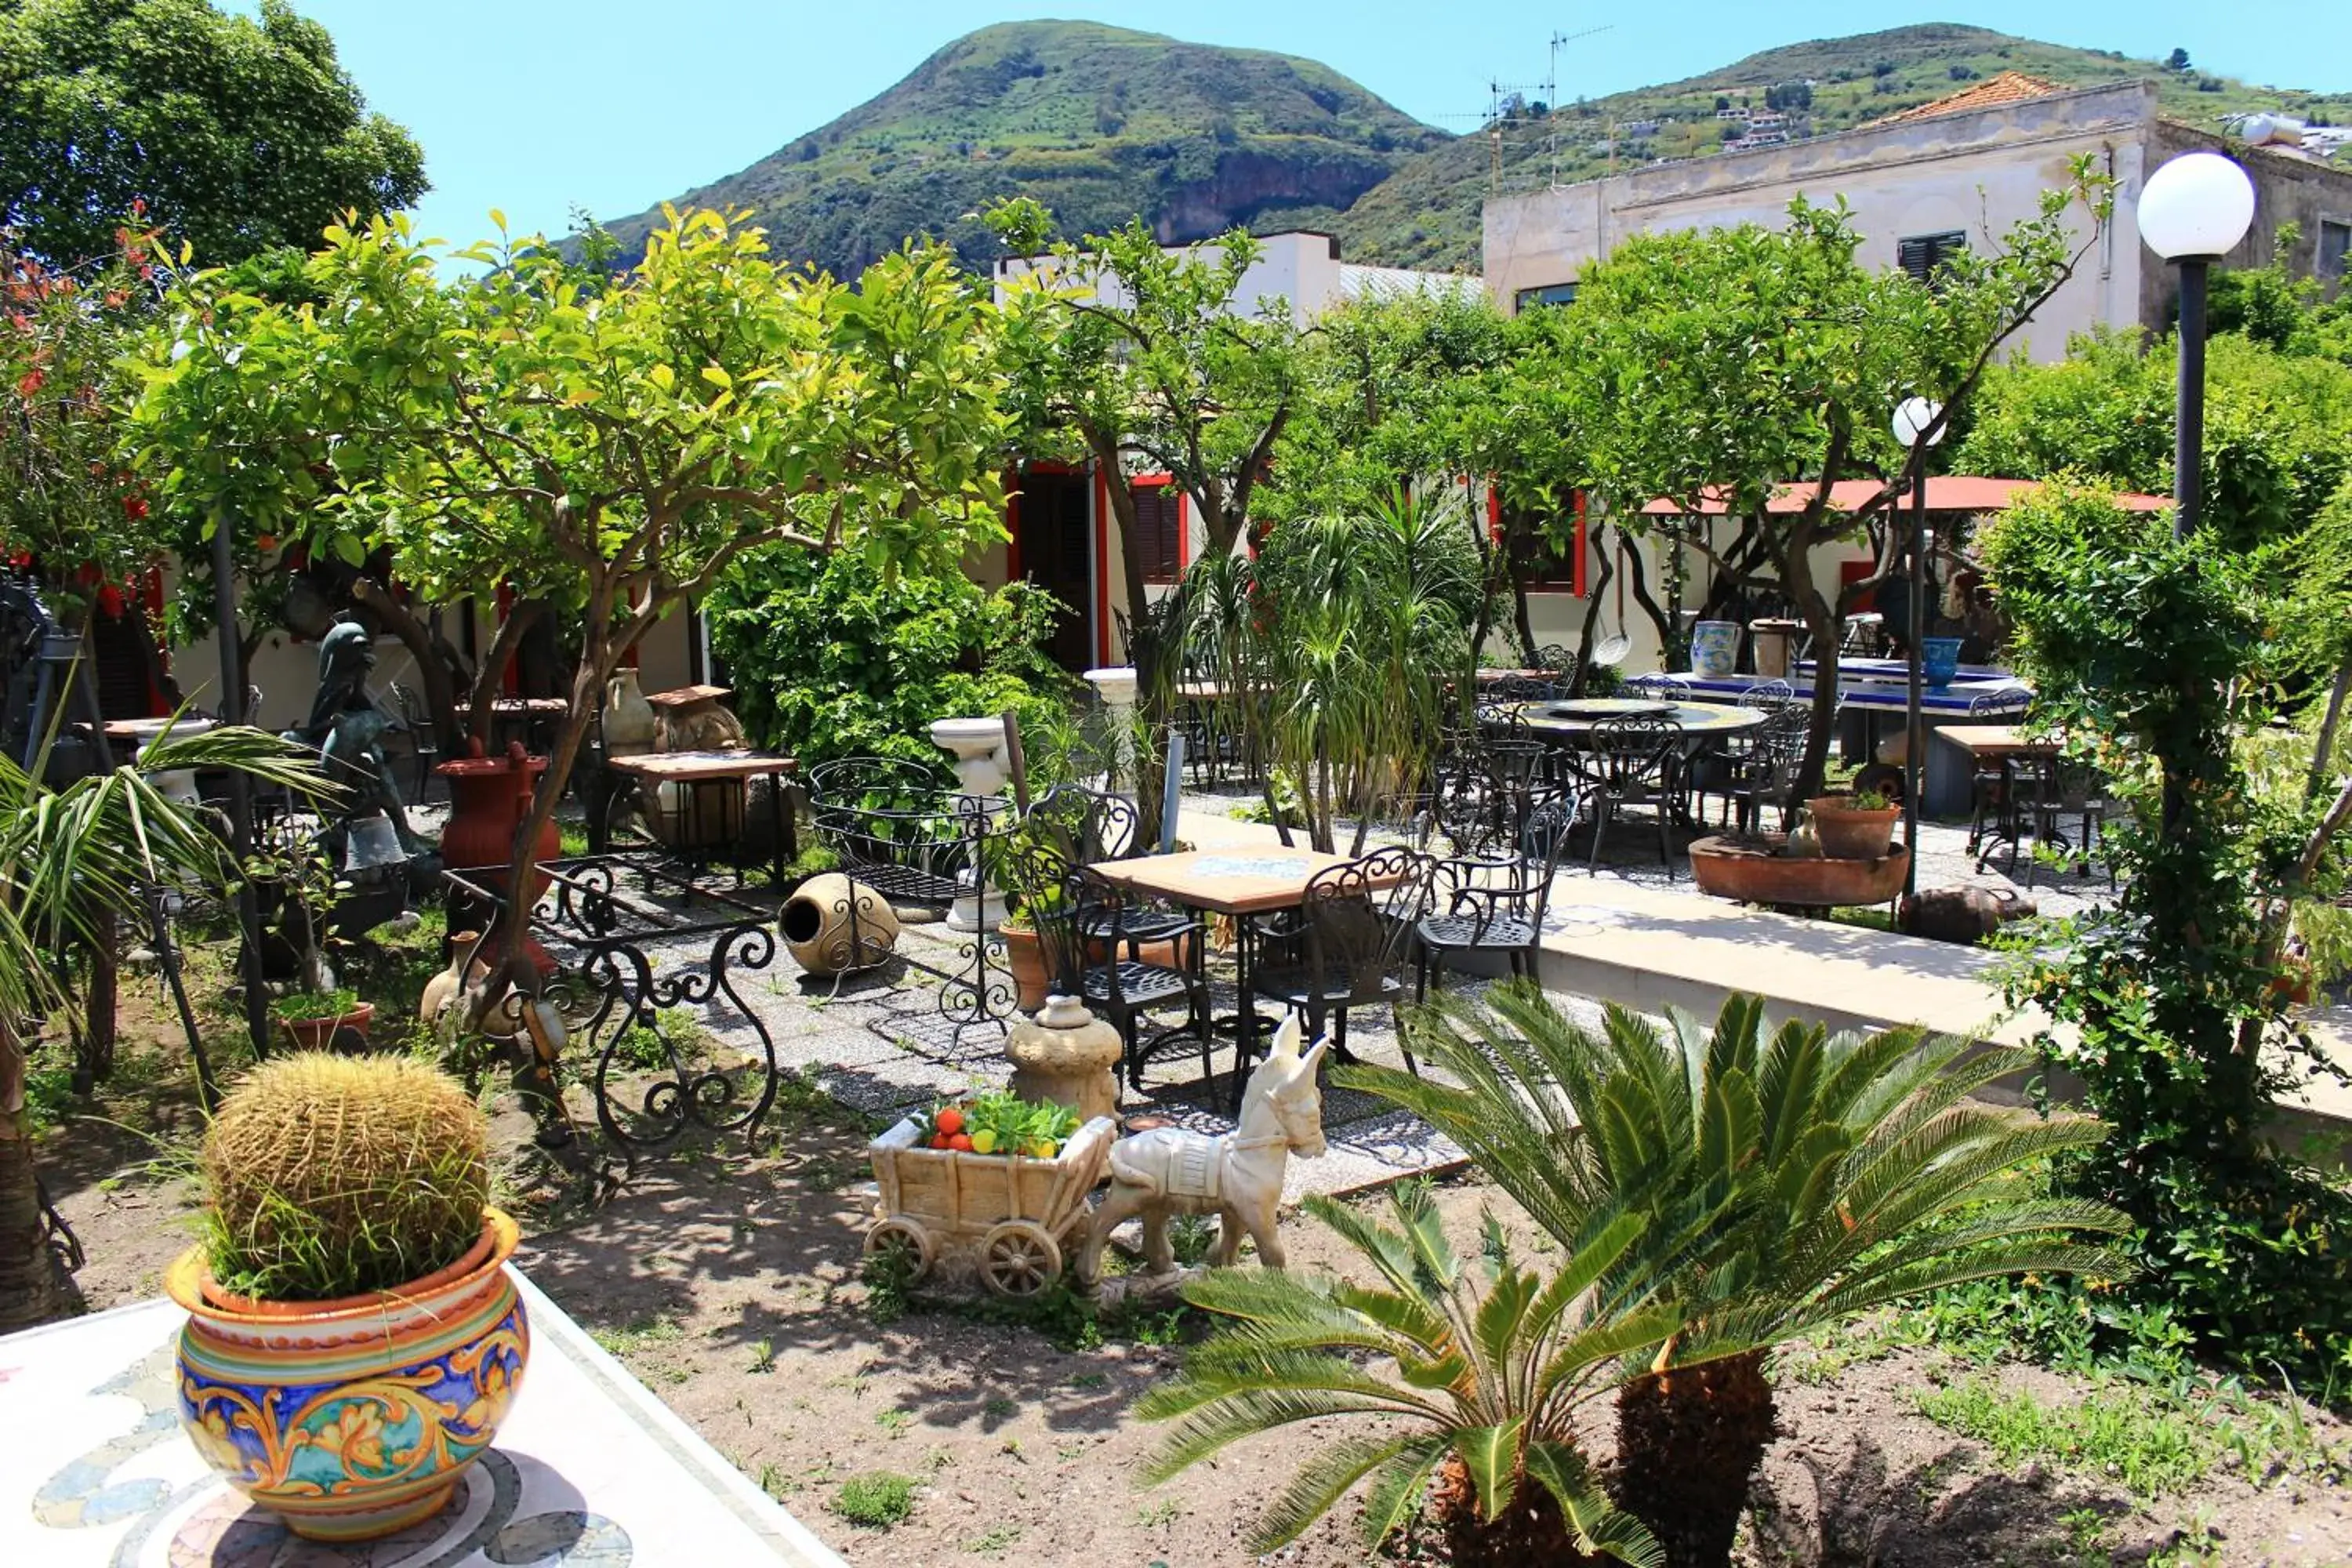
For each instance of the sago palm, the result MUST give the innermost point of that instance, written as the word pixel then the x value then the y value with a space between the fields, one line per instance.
pixel 1471 1369
pixel 74 862
pixel 1791 1180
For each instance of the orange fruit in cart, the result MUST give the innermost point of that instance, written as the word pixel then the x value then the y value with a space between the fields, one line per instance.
pixel 949 1122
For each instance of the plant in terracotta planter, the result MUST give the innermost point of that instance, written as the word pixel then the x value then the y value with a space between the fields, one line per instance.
pixel 314 1019
pixel 353 1339
pixel 1025 957
pixel 1853 827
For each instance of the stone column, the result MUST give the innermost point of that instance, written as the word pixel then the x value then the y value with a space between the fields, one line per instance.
pixel 978 745
pixel 1117 686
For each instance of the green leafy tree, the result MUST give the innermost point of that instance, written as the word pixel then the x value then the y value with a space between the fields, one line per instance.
pixel 609 448
pixel 2277 428
pixel 236 132
pixel 74 862
pixel 1754 357
pixel 67 497
pixel 1139 358
pixel 1410 390
pixel 2154 658
pixel 1477 1366
pixel 1787 1180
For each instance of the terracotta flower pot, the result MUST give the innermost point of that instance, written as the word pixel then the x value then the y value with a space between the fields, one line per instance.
pixel 1025 957
pixel 488 799
pixel 356 1418
pixel 1847 832
pixel 320 1034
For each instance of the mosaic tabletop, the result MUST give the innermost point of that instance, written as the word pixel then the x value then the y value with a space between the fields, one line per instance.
pixel 590 1470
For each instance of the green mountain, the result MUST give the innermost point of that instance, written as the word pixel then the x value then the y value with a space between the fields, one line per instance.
pixel 1099 123
pixel 1427 213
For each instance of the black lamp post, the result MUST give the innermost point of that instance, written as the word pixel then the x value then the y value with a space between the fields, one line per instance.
pixel 1918 425
pixel 2192 212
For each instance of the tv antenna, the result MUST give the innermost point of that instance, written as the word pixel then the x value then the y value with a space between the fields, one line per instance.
pixel 1506 98
pixel 1551 88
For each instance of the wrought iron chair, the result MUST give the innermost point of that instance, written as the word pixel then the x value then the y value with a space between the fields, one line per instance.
pixel 1767 772
pixel 422 741
pixel 1496 906
pixel 1482 801
pixel 1631 759
pixel 1559 661
pixel 1091 953
pixel 1088 825
pixel 1990 791
pixel 1738 760
pixel 1659 686
pixel 1346 945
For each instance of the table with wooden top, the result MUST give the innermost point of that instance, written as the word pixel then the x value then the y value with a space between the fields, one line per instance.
pixel 1955 750
pixel 698 771
pixel 1242 883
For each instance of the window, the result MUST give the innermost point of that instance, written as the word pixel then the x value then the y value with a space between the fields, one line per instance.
pixel 1550 294
pixel 1543 566
pixel 1159 531
pixel 1925 255
pixel 2334 243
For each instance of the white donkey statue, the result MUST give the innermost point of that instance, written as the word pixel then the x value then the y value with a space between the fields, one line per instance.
pixel 1237 1177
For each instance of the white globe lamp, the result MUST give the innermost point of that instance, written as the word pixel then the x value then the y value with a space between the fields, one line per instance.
pixel 1913 416
pixel 1914 426
pixel 2193 211
pixel 2198 206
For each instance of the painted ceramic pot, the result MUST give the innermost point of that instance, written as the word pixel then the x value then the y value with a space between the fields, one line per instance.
pixel 1939 661
pixel 1715 647
pixel 356 1418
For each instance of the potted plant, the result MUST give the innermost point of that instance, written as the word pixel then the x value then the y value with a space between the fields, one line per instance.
pixel 1855 827
pixel 315 1020
pixel 1025 959
pixel 353 1339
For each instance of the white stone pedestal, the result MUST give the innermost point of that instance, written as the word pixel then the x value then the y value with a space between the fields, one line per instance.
pixel 978 747
pixel 1117 686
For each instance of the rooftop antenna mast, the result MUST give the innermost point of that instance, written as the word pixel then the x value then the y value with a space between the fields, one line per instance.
pixel 1551 91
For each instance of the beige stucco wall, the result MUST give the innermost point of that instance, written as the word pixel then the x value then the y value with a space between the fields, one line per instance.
pixel 1978 173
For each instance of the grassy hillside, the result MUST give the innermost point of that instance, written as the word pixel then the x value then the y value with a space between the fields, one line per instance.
pixel 1427 213
pixel 1097 122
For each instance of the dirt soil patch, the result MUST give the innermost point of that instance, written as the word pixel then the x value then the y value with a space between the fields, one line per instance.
pixel 727 1276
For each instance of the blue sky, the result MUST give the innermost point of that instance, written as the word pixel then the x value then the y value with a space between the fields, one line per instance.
pixel 534 105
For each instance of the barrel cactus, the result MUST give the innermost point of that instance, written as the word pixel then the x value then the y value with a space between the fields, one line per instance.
pixel 331 1177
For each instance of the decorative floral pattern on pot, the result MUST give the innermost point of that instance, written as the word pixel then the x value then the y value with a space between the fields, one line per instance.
pixel 358 1419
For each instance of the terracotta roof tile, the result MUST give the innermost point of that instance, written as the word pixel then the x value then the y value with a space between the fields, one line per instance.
pixel 2009 87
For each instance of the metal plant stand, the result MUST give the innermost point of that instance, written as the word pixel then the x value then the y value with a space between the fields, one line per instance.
pixel 896 830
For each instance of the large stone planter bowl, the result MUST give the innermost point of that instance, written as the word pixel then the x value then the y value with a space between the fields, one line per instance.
pixel 357 1418
pixel 1752 873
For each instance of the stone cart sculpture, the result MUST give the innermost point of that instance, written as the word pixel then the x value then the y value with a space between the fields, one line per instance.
pixel 1023 1215
pixel 1237 1177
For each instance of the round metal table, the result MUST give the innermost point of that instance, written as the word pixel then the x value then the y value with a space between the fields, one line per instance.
pixel 1570 720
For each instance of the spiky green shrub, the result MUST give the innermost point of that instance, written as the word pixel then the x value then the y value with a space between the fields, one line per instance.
pixel 1476 1365
pixel 330 1177
pixel 1791 1179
